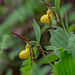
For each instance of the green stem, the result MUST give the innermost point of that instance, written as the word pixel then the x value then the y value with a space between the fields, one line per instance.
pixel 49 61
pixel 47 58
pixel 64 26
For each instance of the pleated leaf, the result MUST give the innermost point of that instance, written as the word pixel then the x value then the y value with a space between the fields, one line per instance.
pixel 66 65
pixel 71 45
pixel 59 39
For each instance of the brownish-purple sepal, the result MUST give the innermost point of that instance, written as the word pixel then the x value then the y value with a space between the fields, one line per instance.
pixel 21 36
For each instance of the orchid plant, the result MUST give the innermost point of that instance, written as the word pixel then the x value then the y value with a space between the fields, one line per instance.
pixel 59 40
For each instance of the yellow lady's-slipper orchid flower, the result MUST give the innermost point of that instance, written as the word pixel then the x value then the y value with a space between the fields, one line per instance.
pixel 25 53
pixel 45 18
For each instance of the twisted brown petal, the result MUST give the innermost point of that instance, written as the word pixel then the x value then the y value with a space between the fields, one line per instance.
pixel 31 55
pixel 46 3
pixel 50 22
pixel 34 56
pixel 21 36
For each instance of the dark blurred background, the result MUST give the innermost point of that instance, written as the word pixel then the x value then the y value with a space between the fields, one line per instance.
pixel 17 16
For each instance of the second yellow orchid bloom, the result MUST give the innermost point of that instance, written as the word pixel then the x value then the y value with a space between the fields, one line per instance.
pixel 45 18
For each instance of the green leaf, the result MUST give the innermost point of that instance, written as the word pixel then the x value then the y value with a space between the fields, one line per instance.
pixel 60 49
pixel 50 48
pixel 66 65
pixel 59 40
pixel 57 5
pixel 33 42
pixel 71 45
pixel 51 57
pixel 71 28
pixel 37 31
